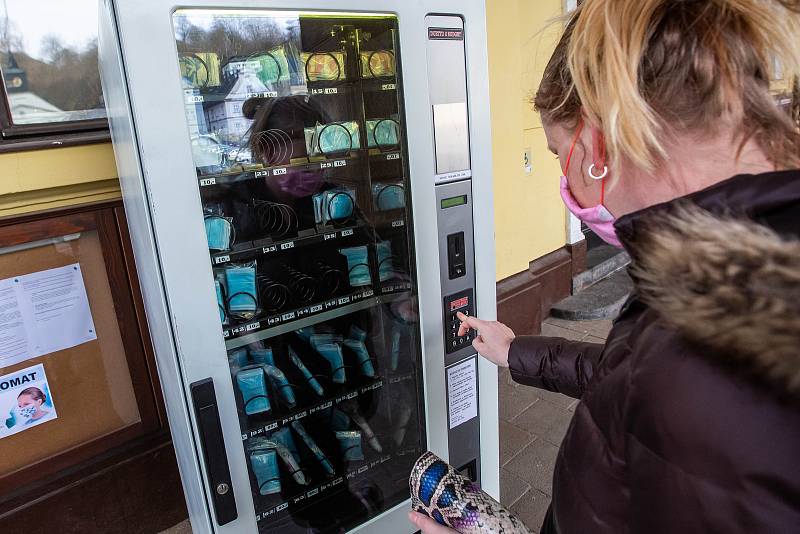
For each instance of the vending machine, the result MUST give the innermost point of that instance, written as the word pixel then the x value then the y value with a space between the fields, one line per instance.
pixel 309 194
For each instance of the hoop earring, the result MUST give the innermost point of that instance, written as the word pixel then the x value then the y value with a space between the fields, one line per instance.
pixel 594 176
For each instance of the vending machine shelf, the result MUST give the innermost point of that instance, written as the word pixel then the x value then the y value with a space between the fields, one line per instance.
pixel 311 315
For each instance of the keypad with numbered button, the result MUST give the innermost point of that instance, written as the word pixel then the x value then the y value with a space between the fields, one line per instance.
pixel 459 303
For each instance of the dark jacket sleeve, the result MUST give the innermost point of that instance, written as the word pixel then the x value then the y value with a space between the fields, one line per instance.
pixel 553 364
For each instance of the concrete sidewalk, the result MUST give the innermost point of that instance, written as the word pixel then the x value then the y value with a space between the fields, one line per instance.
pixel 532 424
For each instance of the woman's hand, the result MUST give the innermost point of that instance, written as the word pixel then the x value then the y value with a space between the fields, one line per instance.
pixel 428 525
pixel 493 340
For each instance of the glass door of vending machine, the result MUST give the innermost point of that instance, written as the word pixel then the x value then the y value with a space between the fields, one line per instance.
pixel 301 309
pixel 296 128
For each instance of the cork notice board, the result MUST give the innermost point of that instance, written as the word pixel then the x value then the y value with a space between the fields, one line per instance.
pixel 90 383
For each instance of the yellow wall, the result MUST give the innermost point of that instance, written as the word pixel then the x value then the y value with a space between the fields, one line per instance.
pixel 42 179
pixel 529 215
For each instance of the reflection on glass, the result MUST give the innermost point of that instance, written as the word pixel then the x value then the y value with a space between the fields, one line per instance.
pixel 48 57
pixel 296 133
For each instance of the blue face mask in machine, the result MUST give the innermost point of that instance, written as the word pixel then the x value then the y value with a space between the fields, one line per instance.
pixel 328 347
pixel 262 356
pixel 281 385
pixel 364 360
pixel 383 134
pixel 350 445
pixel 358 265
pixel 314 448
pixel 264 462
pixel 253 386
pixel 284 444
pixel 389 196
pixel 385 261
pixel 240 281
pixel 334 205
pixel 219 232
pixel 223 310
pixel 310 380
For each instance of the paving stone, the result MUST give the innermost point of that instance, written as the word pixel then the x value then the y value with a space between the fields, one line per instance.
pixel 535 465
pixel 511 488
pixel 531 509
pixel 514 400
pixel 512 440
pixel 558 399
pixel 546 420
pixel 549 330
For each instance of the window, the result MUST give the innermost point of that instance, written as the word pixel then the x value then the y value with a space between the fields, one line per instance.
pixel 49 62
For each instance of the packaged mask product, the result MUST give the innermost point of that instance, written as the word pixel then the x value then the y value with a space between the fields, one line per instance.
pixel 357 333
pixel 332 139
pixel 281 385
pixel 333 353
pixel 284 444
pixel 350 445
pixel 385 261
pixel 219 232
pixel 314 448
pixel 265 467
pixel 351 409
pixel 262 356
pixel 377 64
pixel 358 265
pixel 339 420
pixel 238 358
pixel 253 387
pixel 383 134
pixel 310 380
pixel 273 67
pixel 363 357
pixel 240 281
pixel 334 205
pixel 452 500
pixel 220 302
pixel 324 66
pixel 389 196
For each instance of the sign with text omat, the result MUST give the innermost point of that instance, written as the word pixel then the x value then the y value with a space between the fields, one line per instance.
pixel 25 400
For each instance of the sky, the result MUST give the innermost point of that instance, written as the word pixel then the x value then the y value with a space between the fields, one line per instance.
pixel 74 21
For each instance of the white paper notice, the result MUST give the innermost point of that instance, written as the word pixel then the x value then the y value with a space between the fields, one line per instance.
pixel 43 312
pixel 462 392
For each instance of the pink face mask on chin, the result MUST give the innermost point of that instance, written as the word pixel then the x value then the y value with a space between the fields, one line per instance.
pixel 598 218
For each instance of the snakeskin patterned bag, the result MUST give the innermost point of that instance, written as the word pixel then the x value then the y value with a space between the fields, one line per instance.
pixel 453 500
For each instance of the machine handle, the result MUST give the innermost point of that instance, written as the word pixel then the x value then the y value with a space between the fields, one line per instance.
pixel 204 399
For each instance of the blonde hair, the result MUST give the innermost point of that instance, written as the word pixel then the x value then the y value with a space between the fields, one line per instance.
pixel 643 70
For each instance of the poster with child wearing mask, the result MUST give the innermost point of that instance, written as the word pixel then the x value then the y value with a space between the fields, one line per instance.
pixel 25 400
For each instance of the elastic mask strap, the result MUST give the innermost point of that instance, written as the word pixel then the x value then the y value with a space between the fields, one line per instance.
pixel 600 144
pixel 572 148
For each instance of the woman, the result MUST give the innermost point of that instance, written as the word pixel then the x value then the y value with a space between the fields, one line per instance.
pixel 671 145
pixel 30 402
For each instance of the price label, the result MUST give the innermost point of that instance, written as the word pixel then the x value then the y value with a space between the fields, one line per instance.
pixel 288 316
pixel 278 172
pixel 287 246
pixel 388 87
pixel 326 165
pixel 342 301
pixel 222 259
pixel 226 334
pixel 208 181
pixel 283 506
pixel 346 233
pixel 253 326
pixel 269 249
pixel 398 223
pixel 330 236
pixel 340 163
pixel 194 99
pixel 390 157
pixel 315 309
pixel 261 174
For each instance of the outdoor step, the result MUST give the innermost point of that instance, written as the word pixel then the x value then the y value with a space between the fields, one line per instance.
pixel 603 300
pixel 601 262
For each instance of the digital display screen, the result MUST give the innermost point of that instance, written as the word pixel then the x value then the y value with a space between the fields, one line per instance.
pixel 458 304
pixel 452 202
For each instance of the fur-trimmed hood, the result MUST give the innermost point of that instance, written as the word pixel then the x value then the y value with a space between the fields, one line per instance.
pixel 724 281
